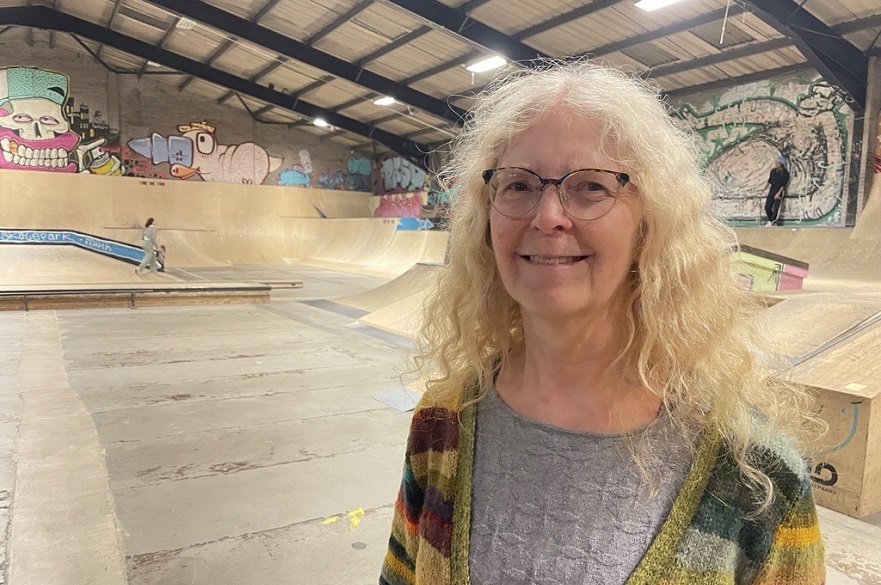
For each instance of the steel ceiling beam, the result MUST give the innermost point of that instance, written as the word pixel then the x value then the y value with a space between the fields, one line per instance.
pixel 564 18
pixel 354 102
pixel 264 10
pixel 264 71
pixel 297 94
pixel 460 24
pixel 664 31
pixel 43 17
pixel 263 110
pixel 220 50
pixel 419 132
pixel 721 57
pixel 740 80
pixel 331 135
pixel 340 21
pixel 461 60
pixel 472 5
pixel 838 61
pixel 757 48
pixel 113 13
pixel 859 24
pixel 395 44
pixel 165 36
pixel 245 29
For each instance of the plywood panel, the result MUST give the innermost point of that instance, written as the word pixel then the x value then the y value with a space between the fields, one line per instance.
pixel 804 323
pixel 852 365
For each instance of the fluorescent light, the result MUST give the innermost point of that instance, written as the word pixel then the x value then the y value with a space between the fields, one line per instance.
pixel 320 122
pixel 489 64
pixel 384 101
pixel 185 23
pixel 153 64
pixel 649 5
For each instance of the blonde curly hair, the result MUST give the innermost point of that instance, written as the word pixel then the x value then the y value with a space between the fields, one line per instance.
pixel 690 337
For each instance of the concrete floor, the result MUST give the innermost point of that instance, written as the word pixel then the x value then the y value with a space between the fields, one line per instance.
pixel 221 444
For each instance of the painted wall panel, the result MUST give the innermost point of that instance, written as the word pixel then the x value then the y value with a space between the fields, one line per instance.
pixel 741 131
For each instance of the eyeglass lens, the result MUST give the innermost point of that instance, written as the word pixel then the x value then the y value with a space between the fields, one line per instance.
pixel 585 194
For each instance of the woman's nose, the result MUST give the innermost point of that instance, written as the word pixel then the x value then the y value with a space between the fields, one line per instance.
pixel 550 213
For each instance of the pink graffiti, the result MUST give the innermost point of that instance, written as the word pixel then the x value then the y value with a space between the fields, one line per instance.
pixel 398 206
pixel 51 155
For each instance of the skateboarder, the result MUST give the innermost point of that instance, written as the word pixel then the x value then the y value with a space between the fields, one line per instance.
pixel 777 181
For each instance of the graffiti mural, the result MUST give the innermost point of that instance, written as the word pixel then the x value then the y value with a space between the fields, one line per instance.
pixel 742 131
pixel 398 175
pixel 356 177
pixel 196 152
pixel 41 129
pixel 298 175
pixel 402 187
pixel 359 169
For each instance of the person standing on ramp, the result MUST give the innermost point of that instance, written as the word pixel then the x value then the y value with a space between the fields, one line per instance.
pixel 148 243
pixel 777 181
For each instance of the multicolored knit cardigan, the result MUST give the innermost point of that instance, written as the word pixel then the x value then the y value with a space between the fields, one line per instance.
pixel 709 537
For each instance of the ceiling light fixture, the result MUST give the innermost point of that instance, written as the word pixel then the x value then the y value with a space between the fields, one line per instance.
pixel 384 101
pixel 650 5
pixel 489 64
pixel 320 122
pixel 185 23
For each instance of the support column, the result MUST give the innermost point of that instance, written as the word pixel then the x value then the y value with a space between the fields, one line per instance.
pixel 870 133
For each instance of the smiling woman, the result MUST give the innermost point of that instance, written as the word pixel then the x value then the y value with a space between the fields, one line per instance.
pixel 597 409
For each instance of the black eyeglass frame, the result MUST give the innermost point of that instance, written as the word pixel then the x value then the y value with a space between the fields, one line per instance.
pixel 487 175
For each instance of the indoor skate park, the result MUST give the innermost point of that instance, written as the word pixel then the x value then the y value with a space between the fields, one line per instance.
pixel 241 415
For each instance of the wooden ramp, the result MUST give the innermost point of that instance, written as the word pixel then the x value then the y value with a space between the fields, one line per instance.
pixel 418 279
pixel 133 296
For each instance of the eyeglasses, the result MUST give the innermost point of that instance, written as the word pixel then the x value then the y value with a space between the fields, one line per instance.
pixel 585 194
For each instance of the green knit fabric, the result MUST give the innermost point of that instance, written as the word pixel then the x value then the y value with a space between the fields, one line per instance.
pixel 710 536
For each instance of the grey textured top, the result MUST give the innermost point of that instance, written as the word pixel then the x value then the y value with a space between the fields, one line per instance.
pixel 554 506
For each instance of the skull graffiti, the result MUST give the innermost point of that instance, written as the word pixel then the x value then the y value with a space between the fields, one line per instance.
pixel 34 132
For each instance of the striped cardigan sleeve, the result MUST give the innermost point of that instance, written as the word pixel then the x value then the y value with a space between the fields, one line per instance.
pixel 796 553
pixel 419 546
pixel 400 561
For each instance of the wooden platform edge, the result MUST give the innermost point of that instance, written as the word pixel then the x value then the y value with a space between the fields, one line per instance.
pixel 131 299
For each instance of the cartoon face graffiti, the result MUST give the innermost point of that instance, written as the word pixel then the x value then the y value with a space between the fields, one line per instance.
pixel 197 152
pixel 34 132
pixel 305 160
